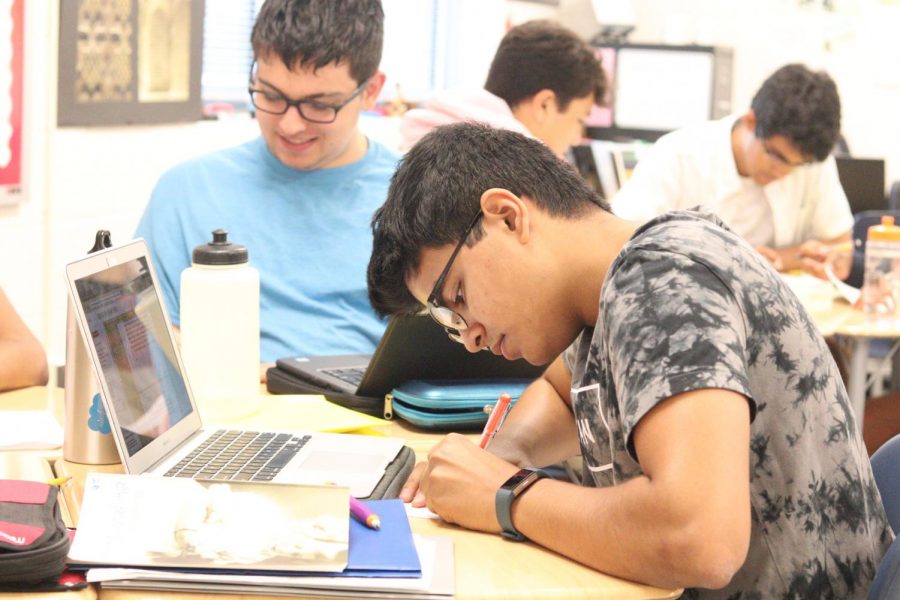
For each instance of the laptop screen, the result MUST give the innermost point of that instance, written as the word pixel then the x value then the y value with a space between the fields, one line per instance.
pixel 863 182
pixel 135 352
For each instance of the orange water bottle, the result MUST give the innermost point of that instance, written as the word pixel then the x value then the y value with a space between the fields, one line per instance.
pixel 881 287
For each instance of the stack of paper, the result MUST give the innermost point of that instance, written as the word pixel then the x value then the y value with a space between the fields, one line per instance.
pixel 435 583
pixel 146 521
pixel 115 539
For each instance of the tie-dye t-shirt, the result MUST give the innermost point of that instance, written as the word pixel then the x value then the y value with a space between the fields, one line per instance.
pixel 688 305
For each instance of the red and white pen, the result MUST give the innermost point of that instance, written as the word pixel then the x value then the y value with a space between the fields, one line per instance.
pixel 495 421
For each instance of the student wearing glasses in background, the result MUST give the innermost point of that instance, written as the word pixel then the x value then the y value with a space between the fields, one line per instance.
pixel 301 195
pixel 768 173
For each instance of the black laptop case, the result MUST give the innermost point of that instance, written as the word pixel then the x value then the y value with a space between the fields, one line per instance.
pixel 282 381
pixel 413 348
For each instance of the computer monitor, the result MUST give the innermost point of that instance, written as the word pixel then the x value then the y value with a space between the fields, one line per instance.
pixel 863 182
pixel 657 88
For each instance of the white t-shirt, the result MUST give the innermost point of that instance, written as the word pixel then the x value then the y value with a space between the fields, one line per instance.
pixel 695 166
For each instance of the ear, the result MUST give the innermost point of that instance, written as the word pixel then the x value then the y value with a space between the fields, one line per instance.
pixel 373 89
pixel 544 104
pixel 503 209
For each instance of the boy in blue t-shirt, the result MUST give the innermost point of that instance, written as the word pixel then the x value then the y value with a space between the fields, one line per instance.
pixel 300 196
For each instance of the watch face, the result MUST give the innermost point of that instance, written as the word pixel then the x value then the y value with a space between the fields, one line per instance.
pixel 520 480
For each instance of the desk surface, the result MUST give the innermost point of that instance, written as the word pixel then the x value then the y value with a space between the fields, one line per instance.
pixel 487 566
pixel 834 316
pixel 842 319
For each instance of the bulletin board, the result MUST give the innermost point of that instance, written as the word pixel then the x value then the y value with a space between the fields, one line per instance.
pixel 12 38
pixel 124 62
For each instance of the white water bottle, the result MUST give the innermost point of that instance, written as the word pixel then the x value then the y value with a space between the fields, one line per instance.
pixel 220 329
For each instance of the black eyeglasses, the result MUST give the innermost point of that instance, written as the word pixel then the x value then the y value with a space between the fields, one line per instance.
pixel 313 111
pixel 452 322
pixel 780 158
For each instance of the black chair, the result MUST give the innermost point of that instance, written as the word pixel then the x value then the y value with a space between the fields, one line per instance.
pixel 893 200
pixel 886 468
pixel 886 585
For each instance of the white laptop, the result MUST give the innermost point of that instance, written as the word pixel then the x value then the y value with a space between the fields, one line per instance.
pixel 148 400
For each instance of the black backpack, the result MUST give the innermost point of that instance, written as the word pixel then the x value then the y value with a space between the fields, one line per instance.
pixel 34 540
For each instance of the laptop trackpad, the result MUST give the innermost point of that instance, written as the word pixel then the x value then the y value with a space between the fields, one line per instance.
pixel 343 462
pixel 357 471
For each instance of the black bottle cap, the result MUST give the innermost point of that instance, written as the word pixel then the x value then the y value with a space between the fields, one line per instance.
pixel 102 241
pixel 220 251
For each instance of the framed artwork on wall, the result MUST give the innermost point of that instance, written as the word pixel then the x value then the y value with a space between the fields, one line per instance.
pixel 12 47
pixel 126 62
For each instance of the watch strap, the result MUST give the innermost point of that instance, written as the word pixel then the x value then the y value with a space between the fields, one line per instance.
pixel 506 495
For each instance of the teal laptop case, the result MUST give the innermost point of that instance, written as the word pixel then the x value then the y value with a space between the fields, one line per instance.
pixel 449 404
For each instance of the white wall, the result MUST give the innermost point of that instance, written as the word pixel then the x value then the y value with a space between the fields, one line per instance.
pixel 857 44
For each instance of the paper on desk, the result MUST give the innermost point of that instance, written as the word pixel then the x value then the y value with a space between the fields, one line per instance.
pixel 29 430
pixel 435 555
pixel 847 292
pixel 173 522
pixel 305 413
pixel 419 513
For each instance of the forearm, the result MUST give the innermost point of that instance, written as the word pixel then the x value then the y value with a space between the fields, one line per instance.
pixel 791 258
pixel 22 359
pixel 810 254
pixel 636 531
pixel 683 522
pixel 540 430
pixel 22 363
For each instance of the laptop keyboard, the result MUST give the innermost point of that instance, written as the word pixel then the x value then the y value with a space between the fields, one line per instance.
pixel 239 456
pixel 351 375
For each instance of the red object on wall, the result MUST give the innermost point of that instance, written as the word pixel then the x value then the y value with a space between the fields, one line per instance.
pixel 11 169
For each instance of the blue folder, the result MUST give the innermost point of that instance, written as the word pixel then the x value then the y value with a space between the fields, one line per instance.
pixel 385 552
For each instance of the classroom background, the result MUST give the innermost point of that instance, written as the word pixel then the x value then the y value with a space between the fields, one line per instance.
pixel 77 179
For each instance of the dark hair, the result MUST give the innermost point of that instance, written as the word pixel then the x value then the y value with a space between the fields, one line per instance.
pixel 540 55
pixel 321 32
pixel 801 105
pixel 436 192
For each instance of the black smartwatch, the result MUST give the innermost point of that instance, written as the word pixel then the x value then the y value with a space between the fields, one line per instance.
pixel 507 493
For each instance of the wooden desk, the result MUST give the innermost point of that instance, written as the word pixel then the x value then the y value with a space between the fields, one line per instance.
pixel 850 323
pixel 837 317
pixel 487 566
